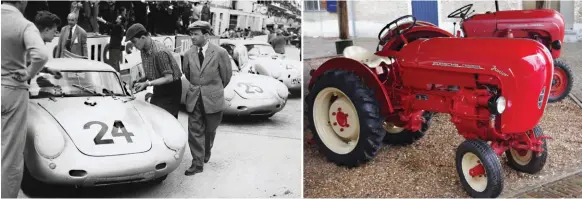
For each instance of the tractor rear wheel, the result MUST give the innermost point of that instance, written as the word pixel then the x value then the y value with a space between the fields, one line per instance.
pixel 528 161
pixel 396 135
pixel 561 82
pixel 479 169
pixel 345 119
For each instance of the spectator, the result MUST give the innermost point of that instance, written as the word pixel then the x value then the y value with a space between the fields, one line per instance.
pixel 278 42
pixel 73 38
pixel 117 32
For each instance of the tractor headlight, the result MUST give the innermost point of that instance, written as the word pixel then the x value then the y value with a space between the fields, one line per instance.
pixel 497 104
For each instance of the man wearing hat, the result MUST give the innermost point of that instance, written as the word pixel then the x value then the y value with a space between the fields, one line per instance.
pixel 207 68
pixel 161 70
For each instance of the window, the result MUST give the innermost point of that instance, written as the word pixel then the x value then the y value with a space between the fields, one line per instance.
pixel 314 5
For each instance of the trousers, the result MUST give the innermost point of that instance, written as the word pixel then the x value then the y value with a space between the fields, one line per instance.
pixel 14 121
pixel 201 132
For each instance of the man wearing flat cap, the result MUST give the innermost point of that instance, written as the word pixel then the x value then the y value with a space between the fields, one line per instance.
pixel 207 68
pixel 161 70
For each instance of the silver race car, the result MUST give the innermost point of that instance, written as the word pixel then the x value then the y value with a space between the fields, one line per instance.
pixel 86 129
pixel 263 60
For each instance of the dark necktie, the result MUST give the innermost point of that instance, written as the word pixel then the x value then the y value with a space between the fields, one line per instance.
pixel 70 37
pixel 200 57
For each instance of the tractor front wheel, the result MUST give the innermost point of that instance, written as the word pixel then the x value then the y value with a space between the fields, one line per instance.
pixel 396 135
pixel 345 119
pixel 562 82
pixel 479 169
pixel 528 161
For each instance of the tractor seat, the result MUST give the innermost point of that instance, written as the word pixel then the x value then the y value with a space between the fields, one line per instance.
pixel 366 57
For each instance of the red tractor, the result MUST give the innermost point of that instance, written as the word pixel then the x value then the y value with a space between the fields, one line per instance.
pixel 496 98
pixel 543 25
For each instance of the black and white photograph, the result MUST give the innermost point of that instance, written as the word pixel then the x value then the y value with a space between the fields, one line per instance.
pixel 151 99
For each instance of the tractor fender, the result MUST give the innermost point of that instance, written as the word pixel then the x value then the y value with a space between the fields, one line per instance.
pixel 362 71
pixel 414 33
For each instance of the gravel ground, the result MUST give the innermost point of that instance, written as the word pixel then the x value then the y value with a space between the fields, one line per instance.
pixel 426 168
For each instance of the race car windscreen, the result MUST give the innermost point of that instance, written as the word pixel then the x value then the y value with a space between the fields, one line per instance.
pixel 76 84
pixel 260 49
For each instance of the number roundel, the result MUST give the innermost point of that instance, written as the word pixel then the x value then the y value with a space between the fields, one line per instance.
pixel 250 88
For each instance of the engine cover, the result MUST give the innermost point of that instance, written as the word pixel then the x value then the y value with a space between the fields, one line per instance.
pixel 521 68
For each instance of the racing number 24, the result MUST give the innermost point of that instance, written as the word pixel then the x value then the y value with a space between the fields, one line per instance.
pixel 115 132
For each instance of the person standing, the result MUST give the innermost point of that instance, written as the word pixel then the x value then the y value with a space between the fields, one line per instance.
pixel 117 32
pixel 207 68
pixel 278 42
pixel 18 36
pixel 73 38
pixel 161 70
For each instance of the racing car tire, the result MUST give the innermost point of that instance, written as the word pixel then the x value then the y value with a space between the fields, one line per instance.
pixel 30 185
pixel 565 70
pixel 367 109
pixel 160 179
pixel 407 137
pixel 534 163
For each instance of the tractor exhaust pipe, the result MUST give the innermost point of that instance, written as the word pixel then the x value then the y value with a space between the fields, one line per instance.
pixel 496 6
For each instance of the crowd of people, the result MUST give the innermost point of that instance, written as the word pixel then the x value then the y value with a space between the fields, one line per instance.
pixel 159 17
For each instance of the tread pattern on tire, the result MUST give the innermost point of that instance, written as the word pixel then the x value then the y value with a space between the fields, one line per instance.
pixel 570 83
pixel 537 163
pixel 363 98
pixel 406 137
pixel 491 163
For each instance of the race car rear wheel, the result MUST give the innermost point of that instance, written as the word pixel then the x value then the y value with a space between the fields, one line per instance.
pixel 528 161
pixel 479 169
pixel 345 119
pixel 396 135
pixel 562 82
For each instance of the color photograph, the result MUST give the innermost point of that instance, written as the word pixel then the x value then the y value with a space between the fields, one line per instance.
pixel 442 98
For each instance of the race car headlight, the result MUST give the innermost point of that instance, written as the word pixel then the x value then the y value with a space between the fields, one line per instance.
pixel 497 104
pixel 283 92
pixel 49 140
pixel 276 73
pixel 228 94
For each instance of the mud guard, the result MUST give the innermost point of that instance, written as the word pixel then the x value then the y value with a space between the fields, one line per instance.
pixel 363 72
pixel 425 31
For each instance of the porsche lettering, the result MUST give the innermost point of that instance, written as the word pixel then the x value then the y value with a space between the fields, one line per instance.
pixel 456 65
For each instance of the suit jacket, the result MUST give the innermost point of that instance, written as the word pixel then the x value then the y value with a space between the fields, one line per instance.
pixel 78 41
pixel 207 82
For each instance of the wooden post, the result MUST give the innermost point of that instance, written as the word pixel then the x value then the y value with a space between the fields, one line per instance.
pixel 344 35
pixel 343 19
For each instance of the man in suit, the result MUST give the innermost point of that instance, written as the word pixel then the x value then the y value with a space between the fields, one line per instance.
pixel 73 38
pixel 207 68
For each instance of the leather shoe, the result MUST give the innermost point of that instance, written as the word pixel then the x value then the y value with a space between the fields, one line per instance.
pixel 193 170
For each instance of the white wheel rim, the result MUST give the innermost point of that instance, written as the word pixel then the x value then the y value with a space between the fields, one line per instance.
pixel 391 128
pixel 521 159
pixel 342 137
pixel 477 183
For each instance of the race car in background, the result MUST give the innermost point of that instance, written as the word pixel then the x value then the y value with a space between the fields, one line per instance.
pixel 246 95
pixel 263 60
pixel 86 129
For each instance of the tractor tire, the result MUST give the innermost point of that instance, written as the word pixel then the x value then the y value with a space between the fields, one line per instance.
pixel 407 137
pixel 561 82
pixel 531 162
pixel 472 154
pixel 349 90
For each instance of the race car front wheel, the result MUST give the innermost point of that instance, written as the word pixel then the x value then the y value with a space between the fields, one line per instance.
pixel 562 82
pixel 345 119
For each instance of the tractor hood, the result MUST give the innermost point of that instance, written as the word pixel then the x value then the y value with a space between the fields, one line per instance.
pixel 522 68
pixel 111 127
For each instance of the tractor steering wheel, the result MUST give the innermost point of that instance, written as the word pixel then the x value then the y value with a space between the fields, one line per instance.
pixel 388 35
pixel 461 12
